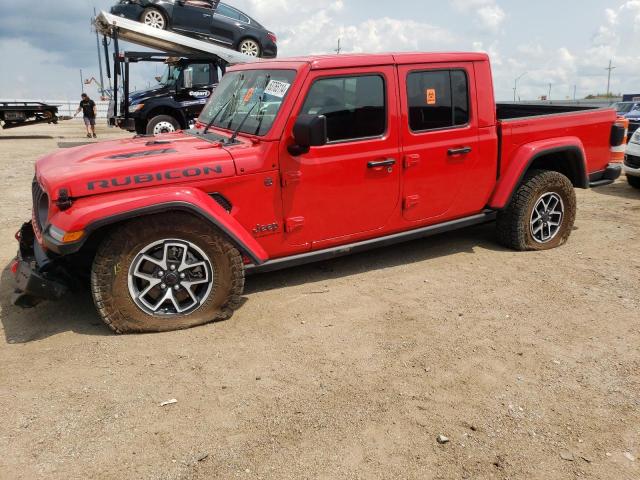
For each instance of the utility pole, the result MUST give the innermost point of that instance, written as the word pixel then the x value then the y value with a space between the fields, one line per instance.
pixel 610 68
pixel 339 49
pixel 549 97
pixel 99 58
pixel 81 81
pixel 575 91
pixel 515 86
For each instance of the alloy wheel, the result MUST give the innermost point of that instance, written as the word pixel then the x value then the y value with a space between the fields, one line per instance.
pixel 546 217
pixel 250 47
pixel 170 277
pixel 154 19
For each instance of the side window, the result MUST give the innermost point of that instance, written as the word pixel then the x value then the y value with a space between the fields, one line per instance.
pixel 437 99
pixel 228 12
pixel 355 107
pixel 201 74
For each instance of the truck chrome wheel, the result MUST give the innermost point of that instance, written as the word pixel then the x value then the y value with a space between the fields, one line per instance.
pixel 170 277
pixel 163 127
pixel 546 217
pixel 154 19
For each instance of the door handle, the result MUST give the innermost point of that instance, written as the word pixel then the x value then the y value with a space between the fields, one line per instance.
pixel 388 162
pixel 459 151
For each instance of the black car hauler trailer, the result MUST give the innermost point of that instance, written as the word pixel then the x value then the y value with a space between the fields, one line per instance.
pixel 174 102
pixel 183 98
pixel 19 114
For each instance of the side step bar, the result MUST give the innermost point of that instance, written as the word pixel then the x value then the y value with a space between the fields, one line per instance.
pixel 334 252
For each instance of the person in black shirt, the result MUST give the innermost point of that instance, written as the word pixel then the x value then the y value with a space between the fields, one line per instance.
pixel 88 108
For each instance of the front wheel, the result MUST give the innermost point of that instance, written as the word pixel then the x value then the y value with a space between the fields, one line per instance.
pixel 250 47
pixel 541 213
pixel 633 181
pixel 162 124
pixel 165 272
pixel 154 18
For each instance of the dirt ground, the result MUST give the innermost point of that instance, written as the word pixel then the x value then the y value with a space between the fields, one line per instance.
pixel 349 369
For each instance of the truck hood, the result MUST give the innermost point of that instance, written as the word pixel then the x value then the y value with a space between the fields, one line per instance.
pixel 132 163
pixel 142 95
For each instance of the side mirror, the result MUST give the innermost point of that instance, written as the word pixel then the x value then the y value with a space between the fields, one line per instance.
pixel 188 78
pixel 308 131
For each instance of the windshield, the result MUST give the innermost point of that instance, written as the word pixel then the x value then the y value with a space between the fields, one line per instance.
pixel 254 94
pixel 170 76
pixel 624 107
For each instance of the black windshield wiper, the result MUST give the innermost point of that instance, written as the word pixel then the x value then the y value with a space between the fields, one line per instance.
pixel 259 102
pixel 215 117
pixel 237 130
pixel 222 109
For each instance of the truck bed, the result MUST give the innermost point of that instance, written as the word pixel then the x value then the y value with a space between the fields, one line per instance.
pixel 508 111
pixel 521 124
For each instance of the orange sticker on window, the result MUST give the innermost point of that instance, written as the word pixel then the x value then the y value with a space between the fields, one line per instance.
pixel 249 94
pixel 431 96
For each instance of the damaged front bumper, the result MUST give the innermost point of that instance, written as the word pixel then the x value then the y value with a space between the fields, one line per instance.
pixel 34 273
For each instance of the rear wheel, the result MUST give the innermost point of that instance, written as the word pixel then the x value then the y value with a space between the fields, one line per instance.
pixel 154 18
pixel 541 214
pixel 250 47
pixel 162 124
pixel 633 181
pixel 166 272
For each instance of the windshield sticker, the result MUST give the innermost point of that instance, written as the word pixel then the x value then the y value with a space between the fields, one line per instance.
pixel 249 95
pixel 431 96
pixel 277 89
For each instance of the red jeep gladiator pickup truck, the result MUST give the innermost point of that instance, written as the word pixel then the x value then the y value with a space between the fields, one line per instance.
pixel 297 160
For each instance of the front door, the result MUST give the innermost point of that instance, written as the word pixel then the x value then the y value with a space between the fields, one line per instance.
pixel 442 175
pixel 350 186
pixel 193 98
pixel 194 16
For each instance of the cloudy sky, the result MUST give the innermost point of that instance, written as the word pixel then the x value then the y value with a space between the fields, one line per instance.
pixel 566 43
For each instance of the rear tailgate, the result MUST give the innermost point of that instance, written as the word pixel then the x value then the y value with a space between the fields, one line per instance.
pixel 592 127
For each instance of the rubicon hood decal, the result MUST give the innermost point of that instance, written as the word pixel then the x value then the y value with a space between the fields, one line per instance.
pixel 167 175
pixel 132 163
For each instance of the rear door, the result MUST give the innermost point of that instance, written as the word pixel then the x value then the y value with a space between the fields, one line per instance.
pixel 351 185
pixel 439 132
pixel 193 17
pixel 227 23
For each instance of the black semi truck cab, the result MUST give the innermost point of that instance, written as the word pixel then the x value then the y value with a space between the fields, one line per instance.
pixel 175 101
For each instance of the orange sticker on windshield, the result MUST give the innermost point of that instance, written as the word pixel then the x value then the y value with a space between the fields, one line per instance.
pixel 249 94
pixel 431 96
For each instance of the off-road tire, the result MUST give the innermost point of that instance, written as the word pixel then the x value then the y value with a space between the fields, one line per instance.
pixel 513 225
pixel 633 181
pixel 160 120
pixel 110 273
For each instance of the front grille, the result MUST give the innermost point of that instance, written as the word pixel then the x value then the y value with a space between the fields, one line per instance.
pixel 40 205
pixel 632 161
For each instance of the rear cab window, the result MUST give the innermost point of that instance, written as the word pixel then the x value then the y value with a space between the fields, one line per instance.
pixel 355 106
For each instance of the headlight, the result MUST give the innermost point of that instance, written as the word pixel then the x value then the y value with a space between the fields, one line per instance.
pixel 135 108
pixel 636 137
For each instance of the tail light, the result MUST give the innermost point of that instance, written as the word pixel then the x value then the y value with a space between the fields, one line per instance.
pixel 619 133
pixel 272 37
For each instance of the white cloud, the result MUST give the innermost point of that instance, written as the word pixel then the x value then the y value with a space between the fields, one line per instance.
pixel 490 15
